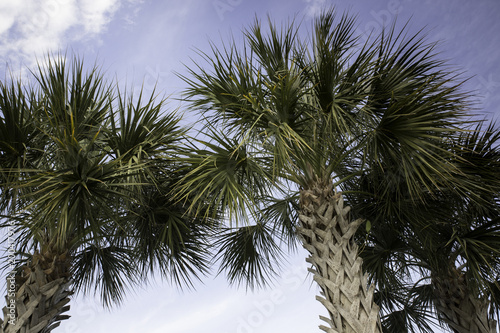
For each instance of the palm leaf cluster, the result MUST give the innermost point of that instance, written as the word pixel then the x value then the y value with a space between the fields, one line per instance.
pixel 448 253
pixel 88 171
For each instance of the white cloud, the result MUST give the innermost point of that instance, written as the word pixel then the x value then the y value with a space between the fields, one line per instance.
pixel 130 15
pixel 8 12
pixel 30 28
pixel 96 14
pixel 314 7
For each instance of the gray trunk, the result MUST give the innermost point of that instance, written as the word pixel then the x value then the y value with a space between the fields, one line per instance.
pixel 42 292
pixel 327 234
pixel 462 312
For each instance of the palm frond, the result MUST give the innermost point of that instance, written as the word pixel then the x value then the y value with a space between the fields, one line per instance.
pixel 249 255
pixel 225 177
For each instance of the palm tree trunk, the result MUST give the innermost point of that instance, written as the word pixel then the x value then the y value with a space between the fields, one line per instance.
pixel 42 292
pixel 462 312
pixel 327 234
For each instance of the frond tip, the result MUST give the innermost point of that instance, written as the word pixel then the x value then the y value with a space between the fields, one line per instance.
pixel 249 255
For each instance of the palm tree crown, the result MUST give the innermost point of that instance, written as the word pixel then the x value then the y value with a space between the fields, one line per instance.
pixel 290 120
pixel 446 260
pixel 86 179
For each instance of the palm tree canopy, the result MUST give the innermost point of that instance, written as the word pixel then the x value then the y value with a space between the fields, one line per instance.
pixel 88 170
pixel 449 237
pixel 288 112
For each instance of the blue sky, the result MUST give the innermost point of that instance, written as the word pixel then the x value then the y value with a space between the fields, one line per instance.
pixel 145 42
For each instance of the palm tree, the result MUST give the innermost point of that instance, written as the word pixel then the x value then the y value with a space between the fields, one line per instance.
pixel 285 116
pixel 86 174
pixel 450 264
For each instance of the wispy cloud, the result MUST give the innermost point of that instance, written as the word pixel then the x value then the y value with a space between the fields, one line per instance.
pixel 30 28
pixel 199 316
pixel 314 7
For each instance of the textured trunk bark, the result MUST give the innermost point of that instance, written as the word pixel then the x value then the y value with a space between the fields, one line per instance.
pixel 41 294
pixel 458 309
pixel 327 234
